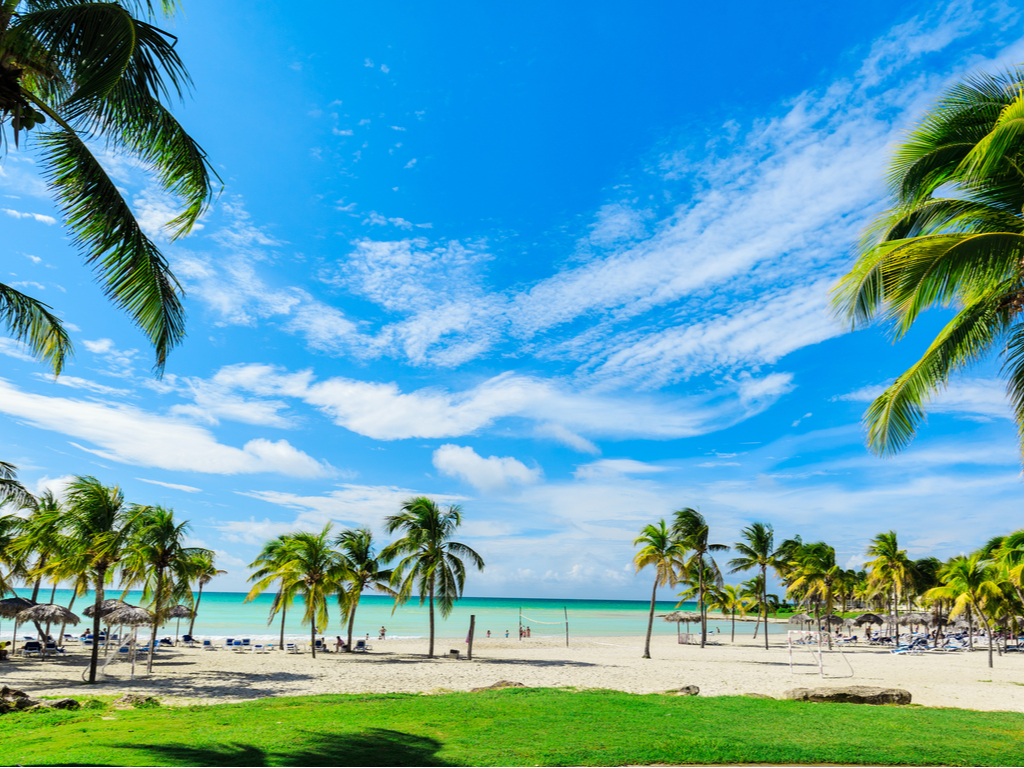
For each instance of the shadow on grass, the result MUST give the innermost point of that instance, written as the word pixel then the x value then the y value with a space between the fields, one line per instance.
pixel 376 746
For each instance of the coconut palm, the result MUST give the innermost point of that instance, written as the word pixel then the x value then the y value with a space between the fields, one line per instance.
pixel 11 562
pixel 365 571
pixel 271 559
pixel 205 570
pixel 757 550
pixel 431 562
pixel 158 560
pixel 98 527
pixel 954 237
pixel 730 600
pixel 692 530
pixel 662 550
pixel 890 570
pixel 309 567
pixel 87 70
pixel 39 532
pixel 755 592
pixel 12 492
pixel 970 584
pixel 815 572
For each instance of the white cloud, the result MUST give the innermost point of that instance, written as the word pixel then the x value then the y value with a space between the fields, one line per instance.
pixel 604 469
pixel 36 216
pixel 491 474
pixel 384 68
pixel 78 383
pixel 341 132
pixel 979 399
pixel 14 348
pixel 411 163
pixel 173 486
pixel 134 436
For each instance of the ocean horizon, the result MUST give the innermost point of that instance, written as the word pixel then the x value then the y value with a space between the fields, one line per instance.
pixel 226 614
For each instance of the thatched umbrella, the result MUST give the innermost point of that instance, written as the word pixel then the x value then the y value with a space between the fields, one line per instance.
pixel 106 607
pixel 133 617
pixel 800 618
pixel 10 608
pixel 868 618
pixel 832 620
pixel 681 616
pixel 179 612
pixel 49 613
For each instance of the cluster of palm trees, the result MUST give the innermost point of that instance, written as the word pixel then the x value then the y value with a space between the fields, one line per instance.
pixel 319 566
pixel 987 584
pixel 91 538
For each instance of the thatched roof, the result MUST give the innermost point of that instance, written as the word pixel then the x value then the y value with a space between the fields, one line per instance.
pixel 832 619
pixel 915 617
pixel 800 618
pixel 12 606
pixel 129 616
pixel 868 618
pixel 180 612
pixel 49 613
pixel 106 607
pixel 687 616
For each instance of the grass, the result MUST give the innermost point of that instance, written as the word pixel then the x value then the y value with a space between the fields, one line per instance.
pixel 527 726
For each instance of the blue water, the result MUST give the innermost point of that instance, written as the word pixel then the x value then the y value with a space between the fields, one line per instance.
pixel 225 614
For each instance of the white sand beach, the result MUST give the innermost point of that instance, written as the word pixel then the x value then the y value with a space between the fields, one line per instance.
pixel 187 676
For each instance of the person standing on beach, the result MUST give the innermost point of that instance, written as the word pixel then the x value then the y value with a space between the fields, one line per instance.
pixel 488 634
pixel 506 634
pixel 383 632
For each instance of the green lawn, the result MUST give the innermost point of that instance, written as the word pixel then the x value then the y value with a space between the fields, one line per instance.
pixel 513 727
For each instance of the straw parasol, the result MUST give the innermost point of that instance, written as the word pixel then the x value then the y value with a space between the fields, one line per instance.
pixel 832 620
pixel 179 612
pixel 10 608
pixel 681 616
pixel 106 607
pixel 801 618
pixel 868 618
pixel 133 617
pixel 49 613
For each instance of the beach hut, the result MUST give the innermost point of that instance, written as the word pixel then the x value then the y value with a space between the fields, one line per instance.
pixel 10 608
pixel 49 613
pixel 179 612
pixel 130 616
pixel 680 616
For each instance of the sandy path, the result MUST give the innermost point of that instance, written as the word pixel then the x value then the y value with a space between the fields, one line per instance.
pixel 194 676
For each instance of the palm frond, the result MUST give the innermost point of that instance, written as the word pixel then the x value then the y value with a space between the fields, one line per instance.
pixel 31 322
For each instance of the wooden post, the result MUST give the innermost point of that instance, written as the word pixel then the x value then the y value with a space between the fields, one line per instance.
pixel 566 611
pixel 520 624
pixel 469 640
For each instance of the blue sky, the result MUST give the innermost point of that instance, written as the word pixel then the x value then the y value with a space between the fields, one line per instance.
pixel 566 267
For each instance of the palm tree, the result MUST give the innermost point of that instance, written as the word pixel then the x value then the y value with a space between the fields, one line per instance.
pixel 954 236
pixel 890 570
pixel 730 600
pixel 431 562
pixel 205 570
pixel 10 560
pixel 757 550
pixel 755 592
pixel 662 550
pixel 38 537
pixel 309 567
pixel 691 529
pixel 271 559
pixel 90 69
pixel 969 582
pixel 158 559
pixel 815 572
pixel 98 527
pixel 365 570
pixel 11 491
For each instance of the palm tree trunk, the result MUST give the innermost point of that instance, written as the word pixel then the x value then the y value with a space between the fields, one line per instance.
pixel 703 616
pixel 312 636
pixel 764 596
pixel 53 593
pixel 896 613
pixel 352 621
pixel 63 626
pixel 192 623
pixel 988 630
pixel 283 612
pixel 430 653
pixel 101 576
pixel 650 621
pixel 970 629
pixel 732 637
pixel 757 624
pixel 156 617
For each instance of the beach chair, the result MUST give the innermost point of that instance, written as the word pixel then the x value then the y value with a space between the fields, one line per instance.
pixel 209 646
pixel 361 647
pixel 236 646
pixel 453 654
pixel 32 648
pixel 229 642
pixel 245 643
pixel 188 640
pixel 291 648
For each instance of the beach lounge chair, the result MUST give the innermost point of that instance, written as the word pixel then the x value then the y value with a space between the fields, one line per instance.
pixel 209 646
pixel 453 654
pixel 245 643
pixel 32 648
pixel 188 640
pixel 229 642
pixel 291 648
pixel 236 646
pixel 361 647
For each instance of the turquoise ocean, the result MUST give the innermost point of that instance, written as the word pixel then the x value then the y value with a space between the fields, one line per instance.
pixel 225 614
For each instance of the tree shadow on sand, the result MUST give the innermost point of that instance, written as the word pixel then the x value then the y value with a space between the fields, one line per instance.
pixel 376 746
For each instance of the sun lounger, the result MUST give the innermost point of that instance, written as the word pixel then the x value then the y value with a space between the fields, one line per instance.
pixel 209 646
pixel 32 648
pixel 453 654
pixel 291 648
pixel 362 647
